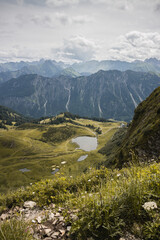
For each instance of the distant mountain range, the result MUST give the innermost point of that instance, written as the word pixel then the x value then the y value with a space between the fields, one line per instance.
pixel 106 94
pixel 51 68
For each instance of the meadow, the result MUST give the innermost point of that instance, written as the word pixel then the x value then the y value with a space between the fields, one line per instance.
pixel 41 148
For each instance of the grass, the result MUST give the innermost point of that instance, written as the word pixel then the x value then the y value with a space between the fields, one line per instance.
pixel 22 147
pixel 14 230
pixel 109 202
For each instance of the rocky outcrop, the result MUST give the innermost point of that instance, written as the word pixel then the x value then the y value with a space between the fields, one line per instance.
pixel 44 223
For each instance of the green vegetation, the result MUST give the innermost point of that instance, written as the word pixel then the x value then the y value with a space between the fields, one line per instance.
pixel 15 230
pixel 109 202
pixel 41 147
pixel 60 134
pixel 143 135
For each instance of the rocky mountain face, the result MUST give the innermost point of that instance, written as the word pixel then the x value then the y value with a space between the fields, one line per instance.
pixel 149 65
pixel 50 68
pixel 105 94
pixel 46 68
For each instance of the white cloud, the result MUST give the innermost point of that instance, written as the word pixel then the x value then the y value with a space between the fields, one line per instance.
pixel 77 48
pixel 136 45
pixel 59 17
pixel 61 3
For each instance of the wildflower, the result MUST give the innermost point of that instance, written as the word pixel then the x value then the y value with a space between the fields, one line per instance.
pixel 89 180
pixel 118 175
pixel 149 205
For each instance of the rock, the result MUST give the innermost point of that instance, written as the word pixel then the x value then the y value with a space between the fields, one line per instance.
pixel 3 216
pixel 51 216
pixel 52 205
pixel 29 204
pixel 57 214
pixel 149 205
pixel 55 234
pixel 61 219
pixel 68 228
pixel 55 221
pixel 62 232
pixel 64 162
pixel 47 231
pixel 39 219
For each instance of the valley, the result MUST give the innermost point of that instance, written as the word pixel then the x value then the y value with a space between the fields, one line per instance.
pixel 42 148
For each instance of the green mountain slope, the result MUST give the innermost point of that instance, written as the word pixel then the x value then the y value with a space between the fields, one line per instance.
pixel 7 116
pixel 142 140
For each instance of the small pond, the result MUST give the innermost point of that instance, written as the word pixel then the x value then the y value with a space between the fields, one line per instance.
pixel 55 171
pixel 24 170
pixel 86 143
pixel 83 157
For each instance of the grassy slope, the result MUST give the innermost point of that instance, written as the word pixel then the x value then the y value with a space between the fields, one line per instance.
pixel 109 202
pixel 23 148
pixel 143 135
pixel 141 139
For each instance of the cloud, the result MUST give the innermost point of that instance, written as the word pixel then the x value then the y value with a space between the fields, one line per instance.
pixel 59 17
pixel 45 21
pixel 136 45
pixel 23 53
pixel 77 48
pixel 157 7
pixel 61 3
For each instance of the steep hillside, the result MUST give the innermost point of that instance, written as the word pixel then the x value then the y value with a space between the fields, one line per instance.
pixel 8 116
pixel 105 94
pixel 142 140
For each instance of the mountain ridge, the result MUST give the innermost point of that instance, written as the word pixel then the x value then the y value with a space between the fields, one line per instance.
pixel 106 94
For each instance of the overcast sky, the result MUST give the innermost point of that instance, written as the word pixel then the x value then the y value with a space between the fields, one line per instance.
pixel 79 30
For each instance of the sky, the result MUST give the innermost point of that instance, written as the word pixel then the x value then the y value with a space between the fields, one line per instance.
pixel 79 30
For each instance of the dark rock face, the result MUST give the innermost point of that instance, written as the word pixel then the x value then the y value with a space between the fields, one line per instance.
pixel 106 94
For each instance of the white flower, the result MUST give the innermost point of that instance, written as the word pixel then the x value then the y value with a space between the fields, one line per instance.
pixel 118 175
pixel 149 205
pixel 89 180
